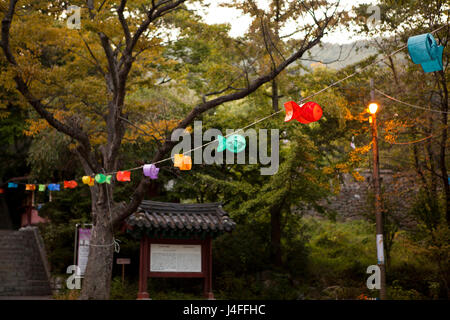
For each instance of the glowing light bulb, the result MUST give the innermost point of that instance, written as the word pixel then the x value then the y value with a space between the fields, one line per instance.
pixel 373 107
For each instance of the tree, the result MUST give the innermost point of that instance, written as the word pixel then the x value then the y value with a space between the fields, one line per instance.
pixel 79 81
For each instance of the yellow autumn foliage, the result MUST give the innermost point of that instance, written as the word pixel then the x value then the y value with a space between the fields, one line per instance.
pixel 357 176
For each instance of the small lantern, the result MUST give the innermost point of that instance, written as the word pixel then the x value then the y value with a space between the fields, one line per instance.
pixel 234 143
pixel 42 187
pixel 72 184
pixel 292 110
pixel 123 176
pixel 423 50
pixel 101 178
pixel 311 111
pixel 150 170
pixel 307 113
pixel 183 162
pixel 30 187
pixel 88 180
pixel 54 187
pixel 178 160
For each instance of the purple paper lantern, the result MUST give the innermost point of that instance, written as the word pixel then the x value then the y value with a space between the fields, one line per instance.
pixel 150 170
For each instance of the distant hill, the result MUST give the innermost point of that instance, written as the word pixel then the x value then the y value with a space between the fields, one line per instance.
pixel 343 55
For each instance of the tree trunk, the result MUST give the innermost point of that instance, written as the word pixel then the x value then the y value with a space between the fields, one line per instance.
pixel 442 156
pixel 97 279
pixel 275 240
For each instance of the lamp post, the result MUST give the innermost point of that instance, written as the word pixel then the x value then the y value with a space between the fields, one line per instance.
pixel 373 108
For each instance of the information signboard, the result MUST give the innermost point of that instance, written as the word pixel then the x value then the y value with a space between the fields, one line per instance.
pixel 175 258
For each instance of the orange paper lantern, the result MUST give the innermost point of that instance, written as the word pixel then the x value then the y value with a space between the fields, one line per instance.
pixel 187 163
pixel 183 162
pixel 30 187
pixel 178 160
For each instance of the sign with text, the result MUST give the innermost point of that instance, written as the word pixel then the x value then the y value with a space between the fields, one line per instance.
pixel 123 261
pixel 84 237
pixel 175 258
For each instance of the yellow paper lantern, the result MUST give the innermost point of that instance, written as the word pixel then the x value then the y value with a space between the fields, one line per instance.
pixel 88 180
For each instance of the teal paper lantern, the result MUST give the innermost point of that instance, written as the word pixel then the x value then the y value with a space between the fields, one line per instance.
pixel 234 143
pixel 424 50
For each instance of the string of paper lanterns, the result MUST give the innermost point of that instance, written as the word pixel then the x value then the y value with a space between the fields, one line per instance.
pixel 422 49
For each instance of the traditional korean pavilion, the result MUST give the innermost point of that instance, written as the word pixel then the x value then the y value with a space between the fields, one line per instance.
pixel 176 240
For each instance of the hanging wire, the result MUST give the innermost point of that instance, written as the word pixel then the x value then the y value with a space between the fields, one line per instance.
pixel 408 104
pixel 412 142
pixel 423 139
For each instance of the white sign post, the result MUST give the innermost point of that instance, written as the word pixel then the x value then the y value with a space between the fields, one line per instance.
pixel 83 237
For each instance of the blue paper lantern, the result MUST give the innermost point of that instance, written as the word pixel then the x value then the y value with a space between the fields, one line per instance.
pixel 423 50
pixel 54 187
pixel 12 185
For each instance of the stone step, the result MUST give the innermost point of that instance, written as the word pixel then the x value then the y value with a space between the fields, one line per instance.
pixel 22 272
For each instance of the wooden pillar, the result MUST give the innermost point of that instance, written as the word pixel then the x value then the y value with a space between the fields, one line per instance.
pixel 208 269
pixel 143 269
pixel 29 210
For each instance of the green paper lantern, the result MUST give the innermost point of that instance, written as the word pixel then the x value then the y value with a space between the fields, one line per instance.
pixel 101 178
pixel 42 187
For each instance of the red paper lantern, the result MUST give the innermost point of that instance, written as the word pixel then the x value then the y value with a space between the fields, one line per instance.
pixel 123 176
pixel 307 113
pixel 292 110
pixel 311 111
pixel 70 184
pixel 2 190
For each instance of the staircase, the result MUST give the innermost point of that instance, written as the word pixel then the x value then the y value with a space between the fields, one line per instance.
pixel 23 265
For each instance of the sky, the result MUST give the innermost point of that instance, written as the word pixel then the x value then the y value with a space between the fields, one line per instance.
pixel 240 23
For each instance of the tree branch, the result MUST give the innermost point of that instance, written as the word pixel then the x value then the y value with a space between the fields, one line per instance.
pixel 111 60
pixel 123 22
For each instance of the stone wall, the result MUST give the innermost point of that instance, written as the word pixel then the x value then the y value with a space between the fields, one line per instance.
pixel 355 199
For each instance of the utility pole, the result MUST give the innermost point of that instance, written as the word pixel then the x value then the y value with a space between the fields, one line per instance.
pixel 373 107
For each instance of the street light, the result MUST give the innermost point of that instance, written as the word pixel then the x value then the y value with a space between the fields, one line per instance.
pixel 373 108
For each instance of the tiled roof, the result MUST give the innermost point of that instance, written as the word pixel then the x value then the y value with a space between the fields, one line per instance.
pixel 181 218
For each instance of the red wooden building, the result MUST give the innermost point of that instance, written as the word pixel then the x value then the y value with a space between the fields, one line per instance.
pixel 176 240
